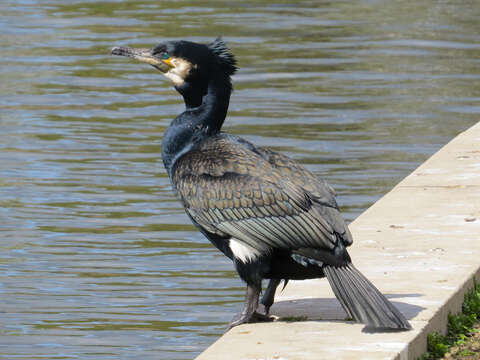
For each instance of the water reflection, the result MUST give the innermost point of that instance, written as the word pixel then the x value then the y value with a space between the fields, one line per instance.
pixel 97 259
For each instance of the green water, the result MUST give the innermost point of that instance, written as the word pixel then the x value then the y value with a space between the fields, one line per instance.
pixel 97 259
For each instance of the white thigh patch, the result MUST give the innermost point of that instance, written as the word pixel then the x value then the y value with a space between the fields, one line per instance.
pixel 242 251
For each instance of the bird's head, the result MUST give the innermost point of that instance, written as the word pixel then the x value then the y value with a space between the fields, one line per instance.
pixel 189 65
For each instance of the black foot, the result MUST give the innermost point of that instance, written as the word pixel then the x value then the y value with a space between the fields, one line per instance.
pixel 242 318
pixel 258 317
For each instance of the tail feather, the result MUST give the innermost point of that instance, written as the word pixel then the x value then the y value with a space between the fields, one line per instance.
pixel 362 300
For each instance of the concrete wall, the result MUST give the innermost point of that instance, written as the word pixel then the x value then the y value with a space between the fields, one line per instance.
pixel 419 244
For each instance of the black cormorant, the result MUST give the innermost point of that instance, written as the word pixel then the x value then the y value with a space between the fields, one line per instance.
pixel 263 210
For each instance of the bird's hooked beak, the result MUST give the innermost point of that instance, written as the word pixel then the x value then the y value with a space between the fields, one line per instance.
pixel 144 55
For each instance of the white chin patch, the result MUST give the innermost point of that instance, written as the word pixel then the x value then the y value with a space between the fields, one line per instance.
pixel 179 72
pixel 242 251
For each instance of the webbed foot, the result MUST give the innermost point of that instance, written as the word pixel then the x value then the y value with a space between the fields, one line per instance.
pixel 249 313
pixel 242 318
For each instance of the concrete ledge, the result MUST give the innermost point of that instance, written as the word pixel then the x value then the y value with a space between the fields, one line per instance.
pixel 419 244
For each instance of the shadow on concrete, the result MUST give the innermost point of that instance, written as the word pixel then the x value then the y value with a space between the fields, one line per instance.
pixel 409 310
pixel 331 310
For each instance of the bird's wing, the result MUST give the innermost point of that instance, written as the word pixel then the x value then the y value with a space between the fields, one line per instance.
pixel 298 174
pixel 230 190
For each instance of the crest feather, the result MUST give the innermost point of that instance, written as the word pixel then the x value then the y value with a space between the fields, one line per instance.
pixel 223 56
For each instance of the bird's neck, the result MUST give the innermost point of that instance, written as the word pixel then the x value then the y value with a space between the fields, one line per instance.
pixel 213 110
pixel 197 123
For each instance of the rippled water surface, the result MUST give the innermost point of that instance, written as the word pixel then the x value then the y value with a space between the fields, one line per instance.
pixel 97 259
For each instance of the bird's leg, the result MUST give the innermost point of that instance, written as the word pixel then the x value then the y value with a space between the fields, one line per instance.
pixel 249 314
pixel 251 304
pixel 268 297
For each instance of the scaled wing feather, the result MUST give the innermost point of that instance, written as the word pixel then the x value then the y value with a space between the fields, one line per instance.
pixel 252 198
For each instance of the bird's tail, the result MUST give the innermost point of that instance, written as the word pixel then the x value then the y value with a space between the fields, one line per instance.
pixel 361 300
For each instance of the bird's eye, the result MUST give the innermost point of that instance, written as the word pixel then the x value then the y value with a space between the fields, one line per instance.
pixel 165 56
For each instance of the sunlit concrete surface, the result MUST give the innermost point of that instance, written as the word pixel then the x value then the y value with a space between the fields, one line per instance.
pixel 419 244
